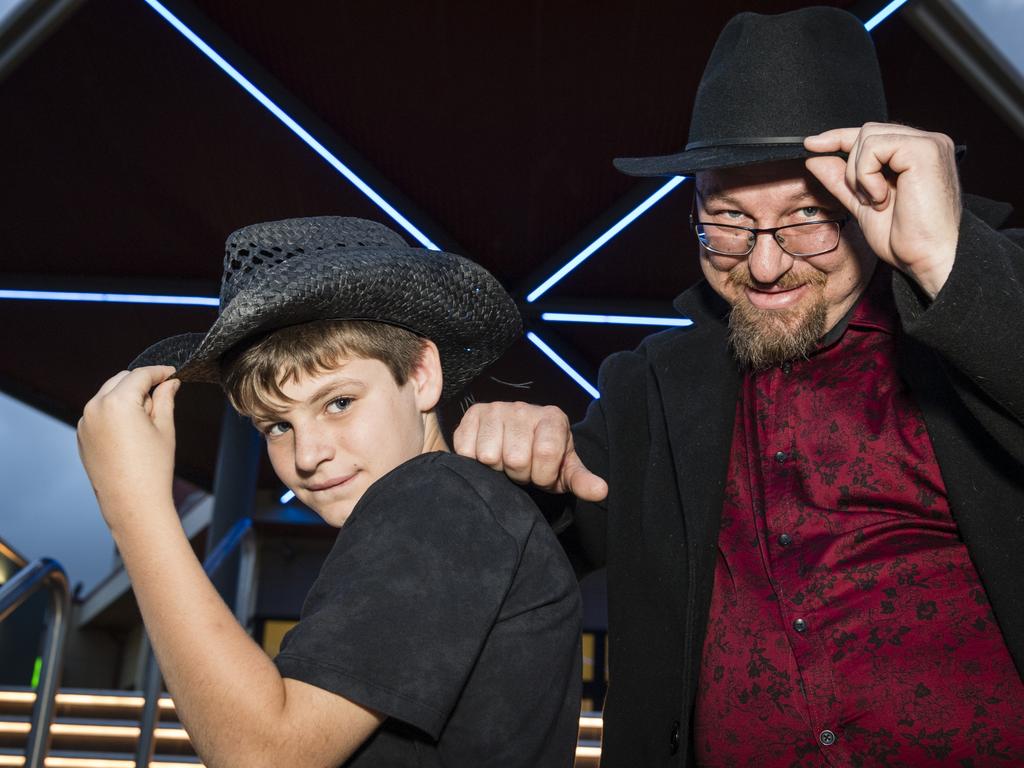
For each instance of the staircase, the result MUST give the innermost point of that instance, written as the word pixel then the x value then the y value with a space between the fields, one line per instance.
pixel 98 729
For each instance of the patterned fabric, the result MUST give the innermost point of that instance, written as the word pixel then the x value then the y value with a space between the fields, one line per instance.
pixel 848 626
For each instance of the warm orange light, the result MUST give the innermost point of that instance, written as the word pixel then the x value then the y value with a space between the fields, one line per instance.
pixel 17 761
pixel 17 697
pixel 588 751
pixel 591 722
pixel 100 731
pixel 83 699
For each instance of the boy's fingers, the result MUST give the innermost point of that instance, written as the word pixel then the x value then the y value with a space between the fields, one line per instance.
pixel 163 405
pixel 112 382
pixel 141 381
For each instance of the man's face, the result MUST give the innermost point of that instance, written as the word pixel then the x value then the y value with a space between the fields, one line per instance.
pixel 782 305
pixel 344 430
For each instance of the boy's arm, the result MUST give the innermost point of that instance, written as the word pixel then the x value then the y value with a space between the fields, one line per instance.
pixel 232 700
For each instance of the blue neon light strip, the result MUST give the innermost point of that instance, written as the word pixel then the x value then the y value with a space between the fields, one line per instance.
pixel 591 249
pixel 883 14
pixel 113 298
pixel 297 129
pixel 568 369
pixel 288 496
pixel 572 317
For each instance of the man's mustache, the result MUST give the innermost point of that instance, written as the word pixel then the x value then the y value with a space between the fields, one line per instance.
pixel 740 277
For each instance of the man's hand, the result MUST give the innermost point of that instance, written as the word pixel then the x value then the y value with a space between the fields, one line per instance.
pixel 901 185
pixel 530 444
pixel 126 441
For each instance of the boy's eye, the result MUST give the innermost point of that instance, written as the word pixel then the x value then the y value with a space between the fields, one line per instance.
pixel 277 428
pixel 811 211
pixel 339 404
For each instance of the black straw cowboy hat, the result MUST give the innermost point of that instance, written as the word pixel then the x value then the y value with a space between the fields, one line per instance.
pixel 284 273
pixel 770 82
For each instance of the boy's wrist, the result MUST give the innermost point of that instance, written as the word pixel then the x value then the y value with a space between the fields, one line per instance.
pixel 140 518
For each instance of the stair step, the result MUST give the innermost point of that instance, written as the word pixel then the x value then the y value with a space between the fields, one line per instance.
pixel 108 719
pixel 15 758
pixel 96 703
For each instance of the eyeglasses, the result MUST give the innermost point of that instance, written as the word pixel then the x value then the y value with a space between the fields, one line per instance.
pixel 808 238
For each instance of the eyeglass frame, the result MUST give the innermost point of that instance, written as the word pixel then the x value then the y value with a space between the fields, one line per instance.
pixel 695 222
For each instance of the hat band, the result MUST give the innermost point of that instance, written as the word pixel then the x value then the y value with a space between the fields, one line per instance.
pixel 746 141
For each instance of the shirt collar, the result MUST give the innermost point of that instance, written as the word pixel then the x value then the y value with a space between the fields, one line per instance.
pixel 875 309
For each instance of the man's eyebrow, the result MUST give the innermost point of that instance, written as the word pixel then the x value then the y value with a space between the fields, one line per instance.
pixel 808 194
pixel 717 196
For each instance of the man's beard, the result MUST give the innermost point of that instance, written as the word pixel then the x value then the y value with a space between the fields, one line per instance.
pixel 762 338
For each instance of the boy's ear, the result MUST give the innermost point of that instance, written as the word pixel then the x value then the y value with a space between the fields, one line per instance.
pixel 426 378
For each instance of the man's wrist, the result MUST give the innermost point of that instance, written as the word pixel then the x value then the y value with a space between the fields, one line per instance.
pixel 932 280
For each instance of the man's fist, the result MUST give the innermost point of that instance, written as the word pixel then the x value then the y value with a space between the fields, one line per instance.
pixel 531 444
pixel 901 185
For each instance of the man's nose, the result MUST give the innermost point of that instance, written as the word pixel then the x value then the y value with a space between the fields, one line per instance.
pixel 768 262
pixel 312 447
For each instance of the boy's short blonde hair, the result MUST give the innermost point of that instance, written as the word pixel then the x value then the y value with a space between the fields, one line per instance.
pixel 253 377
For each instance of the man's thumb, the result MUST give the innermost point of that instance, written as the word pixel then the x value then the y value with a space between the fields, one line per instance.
pixel 581 482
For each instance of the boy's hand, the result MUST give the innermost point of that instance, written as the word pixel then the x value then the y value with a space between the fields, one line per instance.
pixel 126 441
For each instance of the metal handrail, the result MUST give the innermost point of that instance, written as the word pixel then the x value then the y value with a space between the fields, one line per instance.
pixel 240 536
pixel 42 574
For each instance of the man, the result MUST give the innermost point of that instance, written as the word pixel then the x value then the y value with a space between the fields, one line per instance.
pixel 443 629
pixel 814 495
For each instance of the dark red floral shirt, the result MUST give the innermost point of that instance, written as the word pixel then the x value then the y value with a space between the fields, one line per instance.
pixel 848 626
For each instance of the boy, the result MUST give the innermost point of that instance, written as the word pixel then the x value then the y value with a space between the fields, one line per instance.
pixel 443 628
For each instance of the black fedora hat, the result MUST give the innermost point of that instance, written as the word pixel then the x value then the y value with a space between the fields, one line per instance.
pixel 284 273
pixel 770 82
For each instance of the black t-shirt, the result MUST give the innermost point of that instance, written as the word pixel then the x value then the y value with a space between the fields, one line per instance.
pixel 448 605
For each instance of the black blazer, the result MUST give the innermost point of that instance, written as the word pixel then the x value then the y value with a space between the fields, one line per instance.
pixel 661 435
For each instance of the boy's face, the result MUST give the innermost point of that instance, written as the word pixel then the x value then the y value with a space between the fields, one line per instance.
pixel 345 430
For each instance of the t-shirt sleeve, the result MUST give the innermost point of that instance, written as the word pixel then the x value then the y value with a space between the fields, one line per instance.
pixel 405 601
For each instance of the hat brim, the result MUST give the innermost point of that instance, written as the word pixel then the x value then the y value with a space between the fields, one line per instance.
pixel 712 158
pixel 450 300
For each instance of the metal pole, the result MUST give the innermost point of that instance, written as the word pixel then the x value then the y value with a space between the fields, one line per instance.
pixel 25 583
pixel 241 538
pixel 234 490
pixel 152 682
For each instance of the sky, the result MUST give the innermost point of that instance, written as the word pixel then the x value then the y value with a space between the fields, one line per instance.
pixel 47 508
pixel 1002 21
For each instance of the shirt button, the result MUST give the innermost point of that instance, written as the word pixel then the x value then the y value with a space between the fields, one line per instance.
pixel 785 539
pixel 787 367
pixel 781 456
pixel 801 626
pixel 827 738
pixel 673 739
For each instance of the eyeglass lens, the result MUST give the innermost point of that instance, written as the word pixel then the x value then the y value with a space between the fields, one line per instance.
pixel 808 239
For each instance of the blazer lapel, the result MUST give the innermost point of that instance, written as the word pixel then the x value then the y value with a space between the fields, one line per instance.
pixel 698 382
